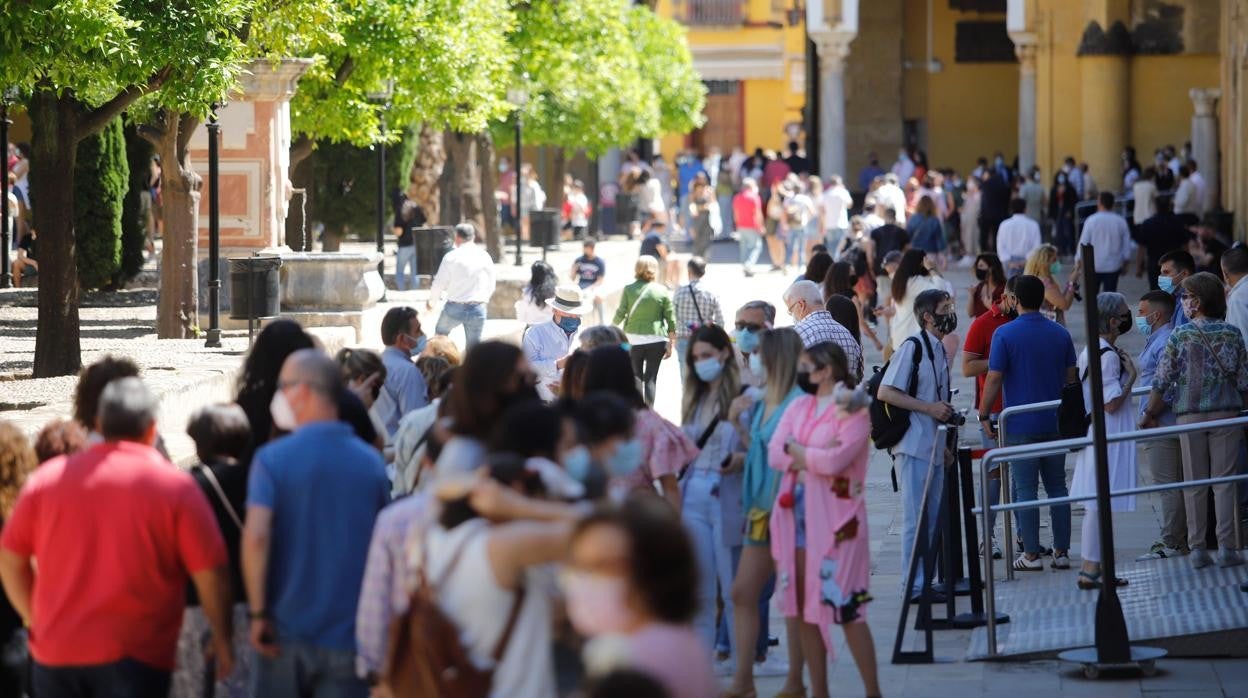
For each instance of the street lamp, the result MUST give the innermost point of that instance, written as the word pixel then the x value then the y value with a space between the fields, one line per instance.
pixel 214 229
pixel 518 97
pixel 381 98
pixel 6 235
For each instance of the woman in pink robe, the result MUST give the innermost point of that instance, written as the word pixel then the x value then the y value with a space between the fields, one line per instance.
pixel 822 443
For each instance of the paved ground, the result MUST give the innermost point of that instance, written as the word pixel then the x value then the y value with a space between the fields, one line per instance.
pixel 123 323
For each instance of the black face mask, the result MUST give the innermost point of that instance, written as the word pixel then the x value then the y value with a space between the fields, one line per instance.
pixel 803 382
pixel 981 274
pixel 1124 325
pixel 946 323
pixel 1011 313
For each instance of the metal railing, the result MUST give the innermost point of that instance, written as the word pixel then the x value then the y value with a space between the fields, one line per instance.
pixel 1063 446
pixel 1007 529
pixel 714 13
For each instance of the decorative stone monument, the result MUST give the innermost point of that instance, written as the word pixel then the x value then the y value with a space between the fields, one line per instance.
pixel 318 289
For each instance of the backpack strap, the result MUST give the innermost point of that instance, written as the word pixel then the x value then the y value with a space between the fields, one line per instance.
pixel 1098 357
pixel 512 618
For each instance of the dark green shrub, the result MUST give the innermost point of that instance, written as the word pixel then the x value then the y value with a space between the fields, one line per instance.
pixel 100 182
pixel 139 153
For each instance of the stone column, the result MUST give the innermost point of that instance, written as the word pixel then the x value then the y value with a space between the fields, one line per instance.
pixel 1205 141
pixel 833 50
pixel 1105 72
pixel 1025 49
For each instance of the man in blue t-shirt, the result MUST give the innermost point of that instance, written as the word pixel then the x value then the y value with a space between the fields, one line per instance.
pixel 312 497
pixel 590 272
pixel 1032 357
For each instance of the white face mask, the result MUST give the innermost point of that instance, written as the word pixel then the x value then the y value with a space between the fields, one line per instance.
pixel 283 415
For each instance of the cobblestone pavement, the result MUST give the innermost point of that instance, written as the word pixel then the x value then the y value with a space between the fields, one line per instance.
pixel 124 323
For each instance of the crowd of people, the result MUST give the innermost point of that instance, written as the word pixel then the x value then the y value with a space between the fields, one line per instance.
pixel 518 520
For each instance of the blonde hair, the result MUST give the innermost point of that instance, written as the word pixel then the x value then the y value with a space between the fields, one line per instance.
pixel 1039 260
pixel 780 349
pixel 647 268
pixel 17 460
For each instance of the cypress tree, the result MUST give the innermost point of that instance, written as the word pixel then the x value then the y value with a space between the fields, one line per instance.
pixel 133 218
pixel 101 178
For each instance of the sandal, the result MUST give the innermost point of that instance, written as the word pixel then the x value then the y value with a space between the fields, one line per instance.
pixel 1089 581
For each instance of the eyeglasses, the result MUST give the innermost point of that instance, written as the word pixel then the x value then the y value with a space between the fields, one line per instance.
pixel 793 305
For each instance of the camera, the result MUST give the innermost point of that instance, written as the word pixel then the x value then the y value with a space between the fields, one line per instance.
pixel 957 419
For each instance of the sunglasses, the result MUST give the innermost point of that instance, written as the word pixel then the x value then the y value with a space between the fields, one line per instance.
pixel 749 327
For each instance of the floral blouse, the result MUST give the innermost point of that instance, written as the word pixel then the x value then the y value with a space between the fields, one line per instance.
pixel 1204 368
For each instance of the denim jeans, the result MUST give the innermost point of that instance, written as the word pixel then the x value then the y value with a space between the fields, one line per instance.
pixel 832 239
pixel 126 678
pixel 913 479
pixel 795 246
pixel 1025 478
pixel 703 519
pixel 405 258
pixel 306 670
pixel 470 315
pixel 750 242
pixel 682 346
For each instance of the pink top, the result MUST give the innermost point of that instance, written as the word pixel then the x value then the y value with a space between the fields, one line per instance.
pixel 674 656
pixel 665 450
pixel 836 521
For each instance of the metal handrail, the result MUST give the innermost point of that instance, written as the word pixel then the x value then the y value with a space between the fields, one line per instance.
pixel 1007 527
pixel 1063 446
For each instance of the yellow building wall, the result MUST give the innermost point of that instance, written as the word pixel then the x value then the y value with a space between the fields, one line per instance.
pixel 967 109
pixel 1161 110
pixel 769 104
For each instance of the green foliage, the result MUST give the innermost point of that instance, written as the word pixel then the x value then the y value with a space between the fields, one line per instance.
pixel 133 219
pixel 405 157
pixel 100 183
pixel 344 186
pixel 447 59
pixel 668 66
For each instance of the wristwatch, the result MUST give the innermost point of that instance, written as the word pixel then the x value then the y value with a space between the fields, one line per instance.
pixel 985 417
pixel 258 615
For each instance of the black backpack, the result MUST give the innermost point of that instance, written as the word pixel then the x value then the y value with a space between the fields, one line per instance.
pixel 1073 417
pixel 889 423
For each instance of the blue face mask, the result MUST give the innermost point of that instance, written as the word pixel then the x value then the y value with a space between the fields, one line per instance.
pixel 577 463
pixel 747 341
pixel 569 323
pixel 626 459
pixel 708 369
pixel 1165 283
pixel 421 342
pixel 757 367
pixel 1142 325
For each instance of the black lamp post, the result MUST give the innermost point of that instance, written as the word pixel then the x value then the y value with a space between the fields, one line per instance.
pixel 519 98
pixel 214 230
pixel 6 235
pixel 382 99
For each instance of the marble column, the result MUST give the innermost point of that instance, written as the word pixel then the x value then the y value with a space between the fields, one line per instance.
pixel 833 50
pixel 1026 52
pixel 1205 142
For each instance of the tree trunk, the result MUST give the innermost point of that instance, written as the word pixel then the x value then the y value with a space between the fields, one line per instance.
pixel 459 158
pixel 471 197
pixel 177 310
pixel 54 149
pixel 426 172
pixel 488 169
pixel 554 194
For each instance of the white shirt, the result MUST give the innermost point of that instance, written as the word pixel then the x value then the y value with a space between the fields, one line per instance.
pixel 1145 200
pixel 579 205
pixel 1017 236
pixel 543 345
pixel 466 275
pixel 1237 306
pixel 835 203
pixel 531 313
pixel 1185 197
pixel 1198 181
pixel 892 195
pixel 904 323
pixel 1109 234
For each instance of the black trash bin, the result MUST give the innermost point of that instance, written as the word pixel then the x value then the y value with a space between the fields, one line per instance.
pixel 432 244
pixel 544 228
pixel 255 287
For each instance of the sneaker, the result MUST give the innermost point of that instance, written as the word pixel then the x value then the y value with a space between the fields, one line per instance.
pixel 1022 564
pixel 1061 561
pixel 1228 557
pixel 1200 558
pixel 773 665
pixel 996 549
pixel 724 667
pixel 1159 553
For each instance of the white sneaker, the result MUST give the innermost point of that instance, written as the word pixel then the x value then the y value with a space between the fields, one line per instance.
pixel 1229 557
pixel 773 665
pixel 1022 564
pixel 1200 558
pixel 725 667
pixel 1161 553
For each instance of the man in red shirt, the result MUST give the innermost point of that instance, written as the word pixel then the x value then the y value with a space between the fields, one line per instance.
pixel 747 212
pixel 114 532
pixel 975 363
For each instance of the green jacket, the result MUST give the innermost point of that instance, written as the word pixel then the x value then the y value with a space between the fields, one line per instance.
pixel 654 314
